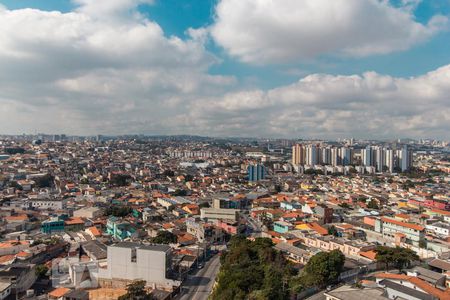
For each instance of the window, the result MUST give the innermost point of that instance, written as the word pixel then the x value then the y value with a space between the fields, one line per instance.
pixel 133 255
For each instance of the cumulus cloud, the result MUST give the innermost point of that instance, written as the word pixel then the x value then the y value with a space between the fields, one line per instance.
pixel 117 73
pixel 98 65
pixel 266 31
pixel 328 106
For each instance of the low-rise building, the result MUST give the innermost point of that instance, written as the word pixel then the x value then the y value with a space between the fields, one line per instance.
pixel 219 213
pixel 414 234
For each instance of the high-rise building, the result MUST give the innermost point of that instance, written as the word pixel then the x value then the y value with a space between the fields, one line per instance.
pixel 405 159
pixel 326 155
pixel 379 158
pixel 346 156
pixel 312 155
pixel 335 158
pixel 256 172
pixel 366 156
pixel 298 155
pixel 389 160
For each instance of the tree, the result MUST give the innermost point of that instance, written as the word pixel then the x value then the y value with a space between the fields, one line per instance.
pixel 41 271
pixel 323 268
pixel 373 204
pixel 119 211
pixel 344 205
pixel 14 150
pixel 252 270
pixel 164 237
pixel 180 192
pixel 204 205
pixel 332 230
pixel 136 291
pixel 44 181
pixel 397 257
pixel 120 179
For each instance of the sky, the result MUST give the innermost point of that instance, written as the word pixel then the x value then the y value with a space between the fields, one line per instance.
pixel 253 68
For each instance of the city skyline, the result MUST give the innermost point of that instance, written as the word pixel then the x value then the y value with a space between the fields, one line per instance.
pixel 226 68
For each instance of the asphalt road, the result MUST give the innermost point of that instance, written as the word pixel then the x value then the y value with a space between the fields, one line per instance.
pixel 199 286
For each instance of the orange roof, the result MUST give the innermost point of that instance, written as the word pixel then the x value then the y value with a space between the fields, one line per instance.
pixel 74 221
pixel 419 283
pixel 403 224
pixel 369 254
pixel 17 218
pixel 317 228
pixel 7 244
pixel 6 258
pixel 440 211
pixel 94 230
pixel 344 226
pixel 59 292
pixel 392 276
pixel 23 254
pixel 430 289
pixel 402 216
pixel 167 225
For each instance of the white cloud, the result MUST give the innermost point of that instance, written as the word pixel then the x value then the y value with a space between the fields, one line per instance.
pixel 81 73
pixel 336 106
pixel 101 64
pixel 267 31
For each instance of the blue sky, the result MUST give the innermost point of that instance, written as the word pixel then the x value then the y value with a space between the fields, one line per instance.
pixel 175 17
pixel 267 66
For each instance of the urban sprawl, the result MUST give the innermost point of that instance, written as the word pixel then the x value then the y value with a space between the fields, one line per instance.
pixel 188 217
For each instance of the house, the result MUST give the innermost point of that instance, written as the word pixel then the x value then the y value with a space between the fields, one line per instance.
pixel 347 292
pixel 77 294
pixel 74 224
pixel 13 247
pixel 119 229
pixel 20 276
pixel 409 287
pixel 282 226
pixel 5 289
pixel 294 254
pixel 433 278
pixel 52 225
pixel 58 293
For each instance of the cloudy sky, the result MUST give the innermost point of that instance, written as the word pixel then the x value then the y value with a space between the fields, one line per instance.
pixel 259 68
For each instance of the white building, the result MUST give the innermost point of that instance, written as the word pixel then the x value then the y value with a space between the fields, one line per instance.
pixel 129 261
pixel 219 213
pixel 439 228
pixel 5 290
pixel 56 204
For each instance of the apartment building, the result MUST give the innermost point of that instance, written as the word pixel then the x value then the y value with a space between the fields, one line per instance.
pixel 414 234
pixel 129 261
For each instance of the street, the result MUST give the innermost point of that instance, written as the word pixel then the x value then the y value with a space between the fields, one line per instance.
pixel 199 286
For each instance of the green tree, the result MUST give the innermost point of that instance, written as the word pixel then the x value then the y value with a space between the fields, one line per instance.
pixel 323 268
pixel 44 181
pixel 397 257
pixel 119 211
pixel 136 291
pixel 164 237
pixel 332 230
pixel 41 271
pixel 252 270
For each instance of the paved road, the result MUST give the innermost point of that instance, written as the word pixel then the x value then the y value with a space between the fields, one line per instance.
pixel 200 285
